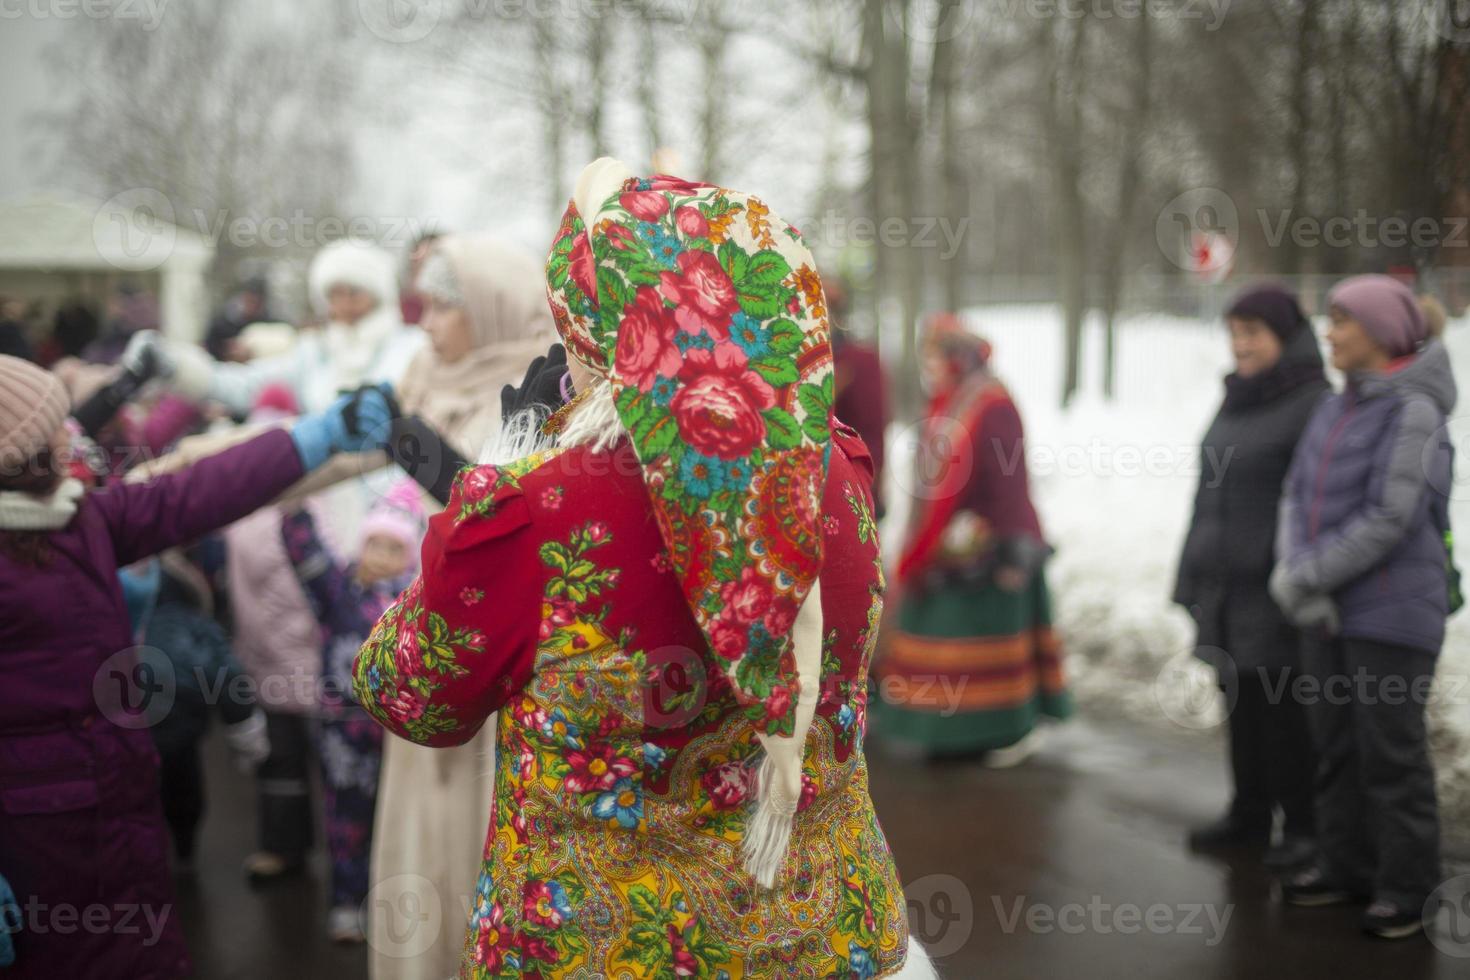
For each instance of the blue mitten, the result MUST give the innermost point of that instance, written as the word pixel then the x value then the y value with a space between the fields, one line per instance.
pixel 10 920
pixel 354 423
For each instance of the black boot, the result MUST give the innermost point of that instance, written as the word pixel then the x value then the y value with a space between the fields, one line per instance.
pixel 1292 852
pixel 1315 887
pixel 1229 831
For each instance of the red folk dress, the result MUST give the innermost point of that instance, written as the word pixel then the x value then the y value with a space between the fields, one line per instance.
pixel 624 763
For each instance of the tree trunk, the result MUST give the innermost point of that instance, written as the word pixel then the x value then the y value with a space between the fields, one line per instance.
pixel 598 41
pixel 893 180
pixel 1063 123
pixel 953 197
pixel 1130 178
pixel 1299 139
pixel 712 42
pixel 649 48
pixel 552 103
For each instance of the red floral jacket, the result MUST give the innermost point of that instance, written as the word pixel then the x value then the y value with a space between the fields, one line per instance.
pixel 624 764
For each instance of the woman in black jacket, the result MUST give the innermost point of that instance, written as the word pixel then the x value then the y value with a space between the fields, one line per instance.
pixel 1227 560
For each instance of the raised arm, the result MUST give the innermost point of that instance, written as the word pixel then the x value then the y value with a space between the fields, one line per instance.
pixel 461 640
pixel 146 518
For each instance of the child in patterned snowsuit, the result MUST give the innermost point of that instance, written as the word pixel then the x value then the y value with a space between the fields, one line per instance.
pixel 348 598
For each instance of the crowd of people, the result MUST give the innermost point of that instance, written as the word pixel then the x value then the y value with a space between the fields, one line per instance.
pixel 560 583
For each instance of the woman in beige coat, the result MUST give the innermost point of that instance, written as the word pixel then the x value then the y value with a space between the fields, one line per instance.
pixel 487 318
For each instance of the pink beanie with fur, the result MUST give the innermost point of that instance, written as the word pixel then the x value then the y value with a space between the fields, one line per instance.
pixel 33 405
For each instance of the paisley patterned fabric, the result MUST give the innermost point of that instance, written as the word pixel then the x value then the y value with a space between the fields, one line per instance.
pixel 625 759
pixel 706 313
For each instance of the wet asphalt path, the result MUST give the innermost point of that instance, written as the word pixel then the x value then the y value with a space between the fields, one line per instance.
pixel 1070 866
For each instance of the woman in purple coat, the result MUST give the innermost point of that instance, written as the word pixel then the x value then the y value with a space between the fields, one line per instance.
pixel 1362 569
pixel 82 837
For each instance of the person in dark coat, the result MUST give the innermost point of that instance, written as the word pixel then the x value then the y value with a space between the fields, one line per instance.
pixel 246 306
pixel 860 389
pixel 74 328
pixel 129 311
pixel 82 836
pixel 1227 560
pixel 179 630
pixel 13 341
pixel 1363 569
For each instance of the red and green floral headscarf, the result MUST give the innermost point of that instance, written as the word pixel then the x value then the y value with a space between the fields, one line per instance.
pixel 706 313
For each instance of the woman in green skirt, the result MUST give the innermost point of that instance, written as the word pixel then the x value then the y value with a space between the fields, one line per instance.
pixel 973 662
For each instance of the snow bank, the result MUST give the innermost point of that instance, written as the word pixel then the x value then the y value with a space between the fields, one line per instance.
pixel 1114 482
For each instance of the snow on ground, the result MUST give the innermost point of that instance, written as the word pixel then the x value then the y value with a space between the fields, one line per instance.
pixel 1114 482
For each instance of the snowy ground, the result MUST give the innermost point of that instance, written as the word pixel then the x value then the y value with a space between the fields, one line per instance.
pixel 1114 483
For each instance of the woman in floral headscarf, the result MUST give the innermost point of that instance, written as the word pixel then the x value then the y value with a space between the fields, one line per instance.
pixel 974 611
pixel 672 610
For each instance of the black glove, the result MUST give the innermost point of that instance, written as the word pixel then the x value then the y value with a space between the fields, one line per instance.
pixel 540 388
pixel 424 455
pixel 94 413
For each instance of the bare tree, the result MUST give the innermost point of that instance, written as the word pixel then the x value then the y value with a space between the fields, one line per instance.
pixel 1134 129
pixel 1064 43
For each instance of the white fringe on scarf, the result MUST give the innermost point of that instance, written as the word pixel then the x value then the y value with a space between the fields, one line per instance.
pixel 778 785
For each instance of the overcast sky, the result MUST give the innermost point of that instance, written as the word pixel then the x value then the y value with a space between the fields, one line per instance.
pixel 468 157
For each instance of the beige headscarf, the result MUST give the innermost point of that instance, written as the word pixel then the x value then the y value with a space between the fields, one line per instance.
pixel 502 290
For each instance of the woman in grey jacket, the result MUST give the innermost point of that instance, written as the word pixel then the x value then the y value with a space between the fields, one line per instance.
pixel 1363 570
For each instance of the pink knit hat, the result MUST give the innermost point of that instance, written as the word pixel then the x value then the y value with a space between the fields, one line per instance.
pixel 400 514
pixel 1386 308
pixel 33 405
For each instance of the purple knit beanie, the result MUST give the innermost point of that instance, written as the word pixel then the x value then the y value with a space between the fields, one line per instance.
pixel 1386 308
pixel 1273 304
pixel 33 405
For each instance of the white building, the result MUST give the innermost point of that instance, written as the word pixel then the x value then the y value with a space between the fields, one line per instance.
pixel 54 249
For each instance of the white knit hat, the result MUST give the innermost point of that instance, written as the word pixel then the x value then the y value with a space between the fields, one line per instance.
pixel 33 405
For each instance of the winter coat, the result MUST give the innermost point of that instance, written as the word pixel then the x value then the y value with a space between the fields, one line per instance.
pixel 1230 546
pixel 345 608
pixel 971 463
pixel 81 826
pixel 861 398
pixel 620 800
pixel 13 341
pixel 277 637
pixel 207 678
pixel 1365 508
